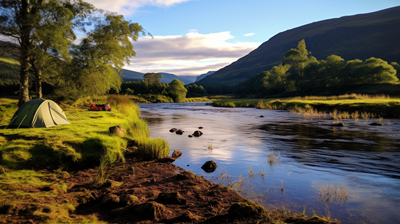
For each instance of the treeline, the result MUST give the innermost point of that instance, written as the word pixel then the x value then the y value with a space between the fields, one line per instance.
pixel 176 90
pixel 301 73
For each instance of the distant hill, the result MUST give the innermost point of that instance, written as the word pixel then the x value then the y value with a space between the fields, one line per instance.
pixel 129 75
pixel 360 36
pixel 202 76
pixel 169 77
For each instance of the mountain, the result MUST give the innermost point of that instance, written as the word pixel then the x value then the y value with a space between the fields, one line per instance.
pixel 169 77
pixel 128 75
pixel 202 76
pixel 360 36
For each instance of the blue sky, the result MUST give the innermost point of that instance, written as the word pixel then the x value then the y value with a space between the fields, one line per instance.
pixel 192 37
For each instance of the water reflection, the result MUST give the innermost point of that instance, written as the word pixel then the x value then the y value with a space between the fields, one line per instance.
pixel 291 158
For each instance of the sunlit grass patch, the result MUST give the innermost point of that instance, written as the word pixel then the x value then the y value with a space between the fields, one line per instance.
pixel 83 142
pixel 156 148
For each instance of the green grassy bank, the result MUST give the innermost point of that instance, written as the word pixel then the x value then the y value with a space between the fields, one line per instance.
pixel 36 158
pixel 378 105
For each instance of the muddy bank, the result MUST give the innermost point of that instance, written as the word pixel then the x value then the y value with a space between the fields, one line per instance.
pixel 148 192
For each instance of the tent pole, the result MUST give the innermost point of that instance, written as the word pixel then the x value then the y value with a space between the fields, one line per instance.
pixel 11 122
pixel 22 121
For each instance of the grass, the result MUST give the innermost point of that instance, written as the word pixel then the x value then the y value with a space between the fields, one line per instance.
pixel 153 149
pixel 347 105
pixel 336 193
pixel 85 143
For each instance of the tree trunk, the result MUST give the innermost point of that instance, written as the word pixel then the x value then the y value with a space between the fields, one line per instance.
pixel 39 84
pixel 24 59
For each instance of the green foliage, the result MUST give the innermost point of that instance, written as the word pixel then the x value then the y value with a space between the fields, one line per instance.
pixel 195 90
pixel 46 34
pixel 129 91
pixel 156 148
pixel 152 77
pixel 302 74
pixel 177 91
pixel 145 87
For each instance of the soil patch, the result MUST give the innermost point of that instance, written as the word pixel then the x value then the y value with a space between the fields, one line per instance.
pixel 155 192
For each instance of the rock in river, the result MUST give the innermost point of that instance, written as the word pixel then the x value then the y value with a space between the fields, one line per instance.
pixel 197 133
pixel 209 166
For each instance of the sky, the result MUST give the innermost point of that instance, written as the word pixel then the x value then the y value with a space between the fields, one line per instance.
pixel 192 37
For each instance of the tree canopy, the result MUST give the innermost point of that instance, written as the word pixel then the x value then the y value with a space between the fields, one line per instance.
pixel 46 35
pixel 300 72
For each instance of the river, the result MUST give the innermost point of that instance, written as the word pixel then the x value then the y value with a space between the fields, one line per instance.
pixel 285 160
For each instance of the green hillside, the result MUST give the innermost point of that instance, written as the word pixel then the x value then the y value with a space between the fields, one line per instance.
pixel 361 36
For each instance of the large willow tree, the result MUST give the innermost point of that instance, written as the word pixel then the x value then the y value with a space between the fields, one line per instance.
pixel 43 33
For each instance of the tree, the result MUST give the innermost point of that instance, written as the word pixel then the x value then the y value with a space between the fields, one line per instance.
pixel 152 77
pixel 297 59
pixel 40 23
pixel 177 91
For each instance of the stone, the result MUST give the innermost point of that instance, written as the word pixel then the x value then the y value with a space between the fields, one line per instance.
pixel 118 130
pixel 200 127
pixel 179 132
pixel 173 130
pixel 261 115
pixel 190 136
pixel 197 134
pixel 376 124
pixel 209 166
pixel 171 198
pixel 176 154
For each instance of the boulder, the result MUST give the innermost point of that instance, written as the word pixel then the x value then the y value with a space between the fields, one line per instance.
pixel 190 136
pixel 176 154
pixel 179 132
pixel 209 166
pixel 173 130
pixel 197 133
pixel 171 198
pixel 118 130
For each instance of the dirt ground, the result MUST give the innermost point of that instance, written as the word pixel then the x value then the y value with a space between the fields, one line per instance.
pixel 156 192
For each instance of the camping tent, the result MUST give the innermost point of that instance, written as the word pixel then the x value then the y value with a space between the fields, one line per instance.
pixel 38 113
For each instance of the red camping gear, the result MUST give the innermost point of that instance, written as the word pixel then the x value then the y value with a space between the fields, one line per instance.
pixel 100 107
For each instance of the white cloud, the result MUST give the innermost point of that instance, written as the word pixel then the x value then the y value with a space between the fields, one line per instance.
pixel 130 6
pixel 248 34
pixel 190 54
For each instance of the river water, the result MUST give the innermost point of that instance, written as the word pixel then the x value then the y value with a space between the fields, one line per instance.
pixel 284 160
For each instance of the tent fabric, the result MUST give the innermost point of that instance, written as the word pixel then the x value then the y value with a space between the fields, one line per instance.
pixel 38 113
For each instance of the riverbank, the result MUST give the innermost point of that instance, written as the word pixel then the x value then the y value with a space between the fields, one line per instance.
pixel 80 173
pixel 376 105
